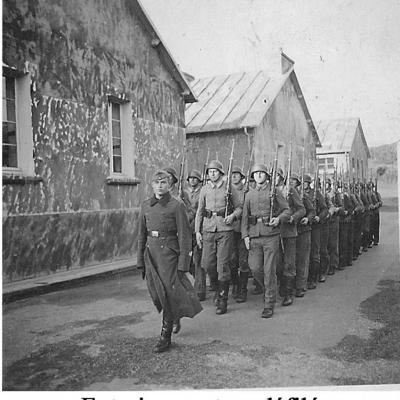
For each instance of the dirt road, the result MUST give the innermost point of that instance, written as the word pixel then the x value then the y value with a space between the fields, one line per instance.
pixel 99 336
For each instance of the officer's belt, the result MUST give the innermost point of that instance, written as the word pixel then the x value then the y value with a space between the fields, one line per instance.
pixel 156 234
pixel 253 219
pixel 210 214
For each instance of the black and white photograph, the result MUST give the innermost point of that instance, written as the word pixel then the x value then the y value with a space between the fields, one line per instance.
pixel 200 198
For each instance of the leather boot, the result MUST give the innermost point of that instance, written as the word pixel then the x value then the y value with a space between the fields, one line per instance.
pixel 176 326
pixel 235 284
pixel 258 288
pixel 164 342
pixel 243 279
pixel 216 298
pixel 223 298
pixel 290 284
pixel 282 286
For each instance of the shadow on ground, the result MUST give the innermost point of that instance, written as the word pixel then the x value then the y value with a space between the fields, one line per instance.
pixel 383 342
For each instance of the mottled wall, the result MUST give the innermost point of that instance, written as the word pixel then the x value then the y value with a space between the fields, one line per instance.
pixel 285 122
pixel 79 52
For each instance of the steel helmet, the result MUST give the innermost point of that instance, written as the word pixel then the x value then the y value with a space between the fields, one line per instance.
pixel 194 173
pixel 259 168
pixel 279 171
pixel 238 170
pixel 307 178
pixel 296 177
pixel 216 165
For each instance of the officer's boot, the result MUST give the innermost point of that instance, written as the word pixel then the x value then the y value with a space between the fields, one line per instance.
pixel 164 342
pixel 289 295
pixel 243 279
pixel 223 297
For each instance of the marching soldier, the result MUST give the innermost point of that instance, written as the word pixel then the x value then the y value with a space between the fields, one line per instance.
pixel 345 229
pixel 216 237
pixel 240 267
pixel 193 192
pixel 367 220
pixel 303 242
pixel 164 249
pixel 358 209
pixel 376 218
pixel 324 237
pixel 321 213
pixel 261 233
pixel 289 234
pixel 335 209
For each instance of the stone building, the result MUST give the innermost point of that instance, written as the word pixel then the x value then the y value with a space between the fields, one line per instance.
pixel 93 102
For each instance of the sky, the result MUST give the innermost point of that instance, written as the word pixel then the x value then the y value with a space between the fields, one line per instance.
pixel 346 52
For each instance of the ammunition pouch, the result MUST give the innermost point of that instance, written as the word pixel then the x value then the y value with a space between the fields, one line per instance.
pixel 253 219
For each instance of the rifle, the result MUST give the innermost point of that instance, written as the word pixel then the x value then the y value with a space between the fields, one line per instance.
pixel 228 194
pixel 181 171
pixel 288 172
pixel 273 185
pixel 315 185
pixel 376 184
pixel 247 184
pixel 204 175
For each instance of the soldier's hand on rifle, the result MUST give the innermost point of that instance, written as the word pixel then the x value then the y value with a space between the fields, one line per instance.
pixel 199 240
pixel 291 220
pixel 229 219
pixel 274 222
pixel 304 221
pixel 247 242
pixel 316 219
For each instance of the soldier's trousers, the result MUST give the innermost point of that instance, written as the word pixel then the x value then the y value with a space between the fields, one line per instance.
pixel 366 229
pixel 324 255
pixel 333 243
pixel 240 256
pixel 357 235
pixel 350 233
pixel 303 247
pixel 263 261
pixel 217 252
pixel 343 238
pixel 199 272
pixel 288 258
pixel 375 229
pixel 315 260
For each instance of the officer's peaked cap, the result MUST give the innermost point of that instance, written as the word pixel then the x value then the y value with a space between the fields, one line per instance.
pixel 215 164
pixel 173 173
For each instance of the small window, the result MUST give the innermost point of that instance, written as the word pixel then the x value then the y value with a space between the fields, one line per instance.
pixel 116 155
pixel 9 124
pixel 17 124
pixel 122 144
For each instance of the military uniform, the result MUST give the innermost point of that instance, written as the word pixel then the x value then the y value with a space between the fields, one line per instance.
pixel 164 248
pixel 264 239
pixel 358 223
pixel 366 220
pixel 193 194
pixel 324 241
pixel 303 246
pixel 239 267
pixel 376 218
pixel 321 211
pixel 288 232
pixel 216 234
pixel 345 230
pixel 335 210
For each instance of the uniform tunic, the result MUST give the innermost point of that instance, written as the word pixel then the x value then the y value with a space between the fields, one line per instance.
pixel 164 248
pixel 264 239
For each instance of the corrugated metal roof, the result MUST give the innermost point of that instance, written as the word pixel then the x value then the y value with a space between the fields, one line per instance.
pixel 232 101
pixel 337 135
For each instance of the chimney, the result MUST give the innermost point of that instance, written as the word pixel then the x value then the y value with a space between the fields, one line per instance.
pixel 286 63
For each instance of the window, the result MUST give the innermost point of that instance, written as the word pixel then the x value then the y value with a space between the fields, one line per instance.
pixel 17 145
pixel 9 124
pixel 122 145
pixel 116 153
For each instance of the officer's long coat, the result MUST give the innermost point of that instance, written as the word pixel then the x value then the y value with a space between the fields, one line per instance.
pixel 164 247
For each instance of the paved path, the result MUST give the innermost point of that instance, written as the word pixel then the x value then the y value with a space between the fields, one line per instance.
pixel 99 336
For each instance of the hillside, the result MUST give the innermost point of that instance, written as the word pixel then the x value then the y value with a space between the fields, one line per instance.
pixel 384 162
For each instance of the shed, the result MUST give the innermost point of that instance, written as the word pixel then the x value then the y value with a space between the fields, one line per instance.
pixel 343 147
pixel 259 110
